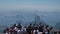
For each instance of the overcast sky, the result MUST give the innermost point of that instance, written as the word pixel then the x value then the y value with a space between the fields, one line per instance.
pixel 30 5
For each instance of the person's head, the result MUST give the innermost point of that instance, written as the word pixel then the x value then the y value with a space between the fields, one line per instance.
pixel 51 28
pixel 14 24
pixel 59 32
pixel 39 23
pixel 55 32
pixel 30 24
pixel 19 24
pixel 11 27
pixel 47 26
pixel 33 24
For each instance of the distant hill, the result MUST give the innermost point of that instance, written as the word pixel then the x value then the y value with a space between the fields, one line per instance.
pixel 22 17
pixel 10 17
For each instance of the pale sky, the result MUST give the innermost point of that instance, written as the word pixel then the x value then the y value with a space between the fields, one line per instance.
pixel 30 5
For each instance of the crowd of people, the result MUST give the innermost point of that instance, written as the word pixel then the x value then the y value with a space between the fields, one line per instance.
pixel 30 29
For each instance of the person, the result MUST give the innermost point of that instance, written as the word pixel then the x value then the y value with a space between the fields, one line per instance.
pixel 45 30
pixel 48 29
pixel 15 28
pixel 29 29
pixel 19 26
pixel 19 29
pixel 35 30
pixel 55 32
pixel 40 29
pixel 59 32
pixel 24 30
pixel 6 31
pixel 11 30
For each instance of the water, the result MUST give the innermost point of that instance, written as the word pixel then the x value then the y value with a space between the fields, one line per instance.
pixel 50 18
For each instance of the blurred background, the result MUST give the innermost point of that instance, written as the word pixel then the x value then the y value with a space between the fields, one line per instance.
pixel 26 11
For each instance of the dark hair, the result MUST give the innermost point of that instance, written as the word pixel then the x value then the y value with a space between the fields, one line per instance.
pixel 59 32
